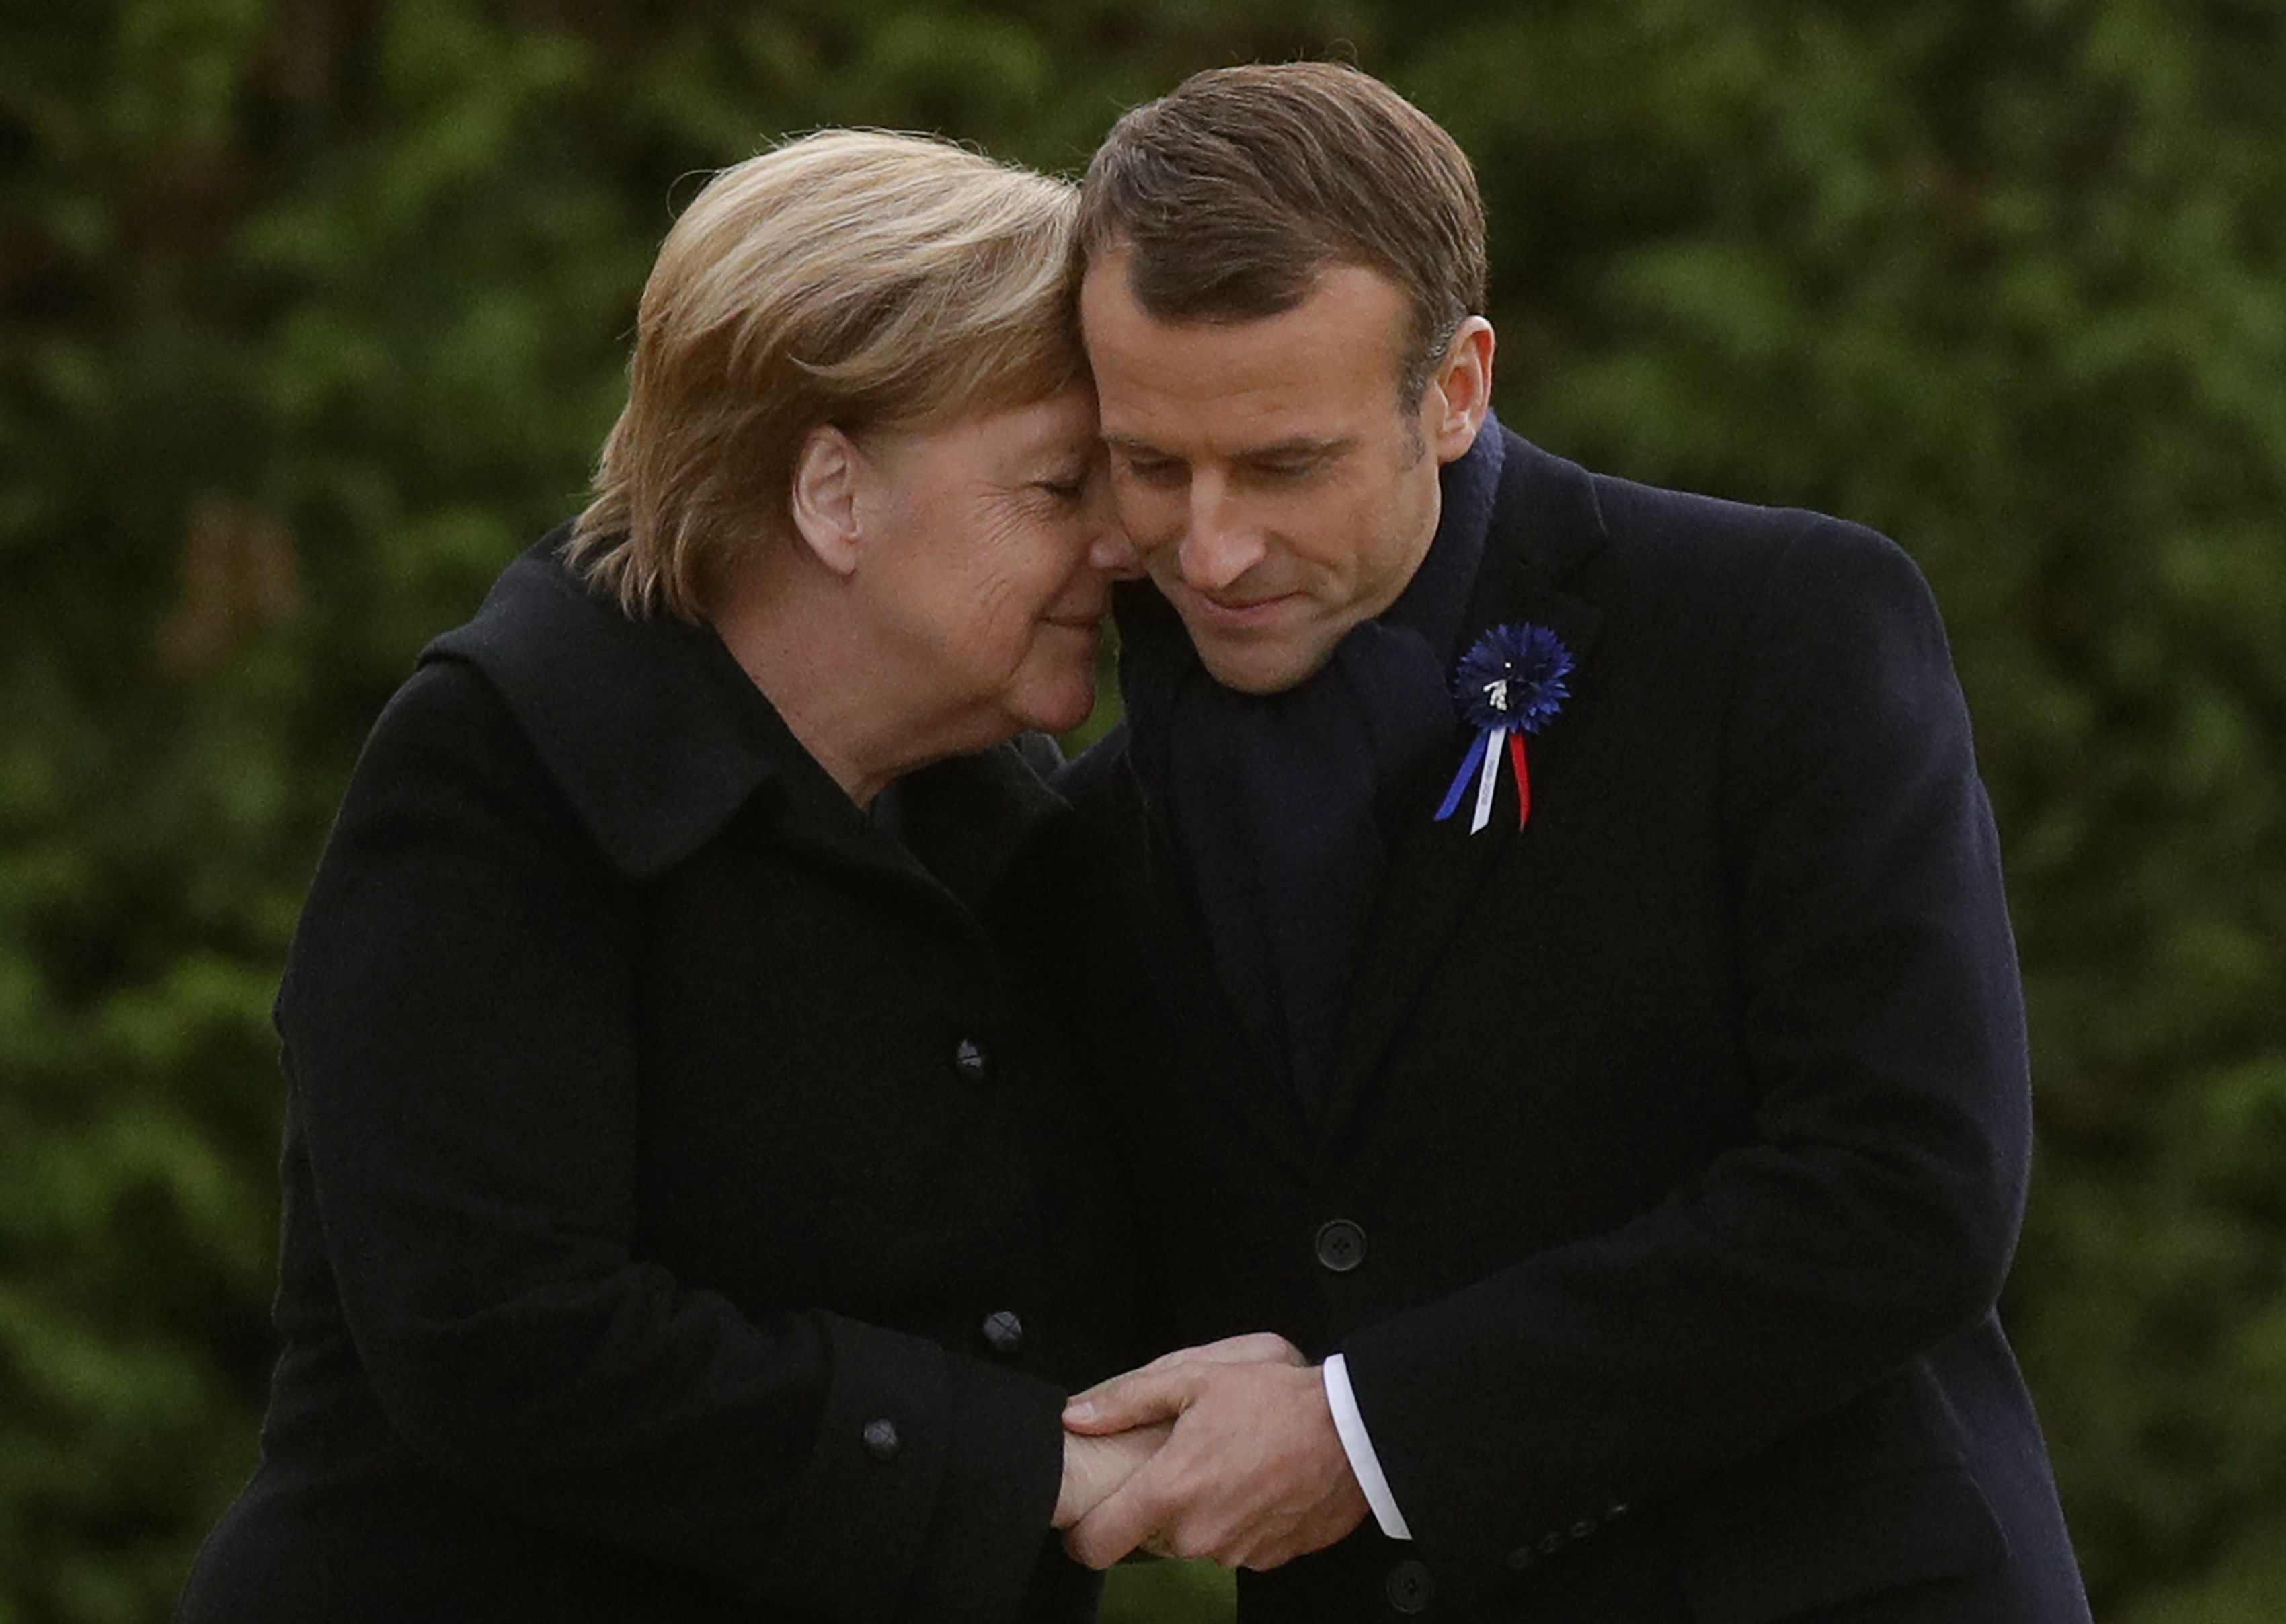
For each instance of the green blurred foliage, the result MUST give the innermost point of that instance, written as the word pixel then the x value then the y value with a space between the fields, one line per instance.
pixel 314 311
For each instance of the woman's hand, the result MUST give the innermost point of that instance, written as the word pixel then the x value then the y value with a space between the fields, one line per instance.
pixel 1093 1467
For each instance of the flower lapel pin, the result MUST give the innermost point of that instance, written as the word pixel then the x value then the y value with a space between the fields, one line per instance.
pixel 1508 685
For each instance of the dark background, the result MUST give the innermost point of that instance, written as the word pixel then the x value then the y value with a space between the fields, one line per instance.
pixel 314 311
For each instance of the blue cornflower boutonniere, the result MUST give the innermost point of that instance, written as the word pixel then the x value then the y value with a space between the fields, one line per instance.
pixel 1508 685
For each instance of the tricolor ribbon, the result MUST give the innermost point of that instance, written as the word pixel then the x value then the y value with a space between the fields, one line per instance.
pixel 1508 685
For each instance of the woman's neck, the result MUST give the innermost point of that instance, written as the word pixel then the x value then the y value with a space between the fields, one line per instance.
pixel 790 630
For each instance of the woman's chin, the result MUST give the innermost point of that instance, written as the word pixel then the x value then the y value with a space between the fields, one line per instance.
pixel 1058 709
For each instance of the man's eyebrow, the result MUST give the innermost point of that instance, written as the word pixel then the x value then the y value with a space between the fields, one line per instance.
pixel 1299 446
pixel 1303 445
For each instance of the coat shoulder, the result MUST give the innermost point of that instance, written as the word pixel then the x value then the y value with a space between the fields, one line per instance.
pixel 1711 541
pixel 448 738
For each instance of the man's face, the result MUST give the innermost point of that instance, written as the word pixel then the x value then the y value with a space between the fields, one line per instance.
pixel 1270 482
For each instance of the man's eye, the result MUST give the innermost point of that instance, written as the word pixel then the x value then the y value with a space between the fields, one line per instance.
pixel 1151 471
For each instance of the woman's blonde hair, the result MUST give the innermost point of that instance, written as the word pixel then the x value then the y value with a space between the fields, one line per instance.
pixel 855 277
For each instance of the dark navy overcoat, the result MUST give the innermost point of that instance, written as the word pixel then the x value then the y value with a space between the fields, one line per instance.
pixel 1677 1141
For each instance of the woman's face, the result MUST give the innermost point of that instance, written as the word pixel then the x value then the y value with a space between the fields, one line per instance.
pixel 990 549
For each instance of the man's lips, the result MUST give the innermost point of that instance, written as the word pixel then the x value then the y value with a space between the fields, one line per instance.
pixel 1236 612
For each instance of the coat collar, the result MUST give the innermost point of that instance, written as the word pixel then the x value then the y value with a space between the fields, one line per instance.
pixel 1546 522
pixel 658 738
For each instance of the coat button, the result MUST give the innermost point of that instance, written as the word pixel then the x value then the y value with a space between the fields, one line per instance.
pixel 1340 1246
pixel 1410 1587
pixel 1584 1526
pixel 1003 1332
pixel 1522 1557
pixel 969 1061
pixel 882 1440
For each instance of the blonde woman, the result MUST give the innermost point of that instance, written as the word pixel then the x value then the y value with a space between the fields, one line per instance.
pixel 670 1160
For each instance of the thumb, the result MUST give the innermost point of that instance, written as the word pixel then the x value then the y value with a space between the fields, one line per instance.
pixel 1154 1393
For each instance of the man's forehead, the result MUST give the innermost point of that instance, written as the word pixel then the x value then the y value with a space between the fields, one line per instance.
pixel 1120 262
pixel 1273 410
pixel 1108 282
pixel 1268 379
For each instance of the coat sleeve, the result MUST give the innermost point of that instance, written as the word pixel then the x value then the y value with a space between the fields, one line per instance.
pixel 1871 1213
pixel 461 1032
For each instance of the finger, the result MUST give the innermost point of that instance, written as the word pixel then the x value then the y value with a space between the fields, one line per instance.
pixel 1093 1468
pixel 1164 1361
pixel 1122 1520
pixel 1254 1347
pixel 1170 1361
pixel 1154 1393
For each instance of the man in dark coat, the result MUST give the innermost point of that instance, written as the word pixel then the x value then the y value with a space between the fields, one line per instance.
pixel 1563 978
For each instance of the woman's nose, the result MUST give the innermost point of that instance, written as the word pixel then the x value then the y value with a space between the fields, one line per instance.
pixel 1113 550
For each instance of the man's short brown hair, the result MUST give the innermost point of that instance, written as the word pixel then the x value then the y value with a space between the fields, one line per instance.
pixel 1234 191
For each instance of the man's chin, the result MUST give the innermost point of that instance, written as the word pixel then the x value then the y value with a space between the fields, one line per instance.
pixel 1258 667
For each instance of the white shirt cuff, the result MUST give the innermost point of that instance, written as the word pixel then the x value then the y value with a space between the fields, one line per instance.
pixel 1359 1447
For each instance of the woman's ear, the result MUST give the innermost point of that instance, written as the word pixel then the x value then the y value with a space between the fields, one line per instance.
pixel 827 473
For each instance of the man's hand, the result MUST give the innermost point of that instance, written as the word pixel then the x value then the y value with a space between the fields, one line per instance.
pixel 1127 1401
pixel 1253 1475
pixel 1101 1456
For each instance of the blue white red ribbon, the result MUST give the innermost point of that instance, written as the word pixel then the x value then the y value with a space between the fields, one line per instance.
pixel 1507 686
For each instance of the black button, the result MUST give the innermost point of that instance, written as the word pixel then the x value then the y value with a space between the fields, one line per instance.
pixel 1581 1529
pixel 1410 1587
pixel 1616 1512
pixel 882 1440
pixel 1522 1557
pixel 1003 1332
pixel 969 1061
pixel 1340 1246
pixel 1550 1544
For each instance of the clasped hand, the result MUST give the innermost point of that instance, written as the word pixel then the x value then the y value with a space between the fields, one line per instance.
pixel 1226 1452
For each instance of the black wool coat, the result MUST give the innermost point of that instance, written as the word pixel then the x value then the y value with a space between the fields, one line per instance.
pixel 1677 1141
pixel 683 1219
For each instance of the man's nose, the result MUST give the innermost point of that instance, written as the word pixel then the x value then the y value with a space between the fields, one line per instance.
pixel 1219 546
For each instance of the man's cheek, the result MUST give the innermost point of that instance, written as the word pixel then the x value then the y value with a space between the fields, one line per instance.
pixel 1154 524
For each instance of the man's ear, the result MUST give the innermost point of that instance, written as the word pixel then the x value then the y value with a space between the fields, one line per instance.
pixel 1462 391
pixel 827 473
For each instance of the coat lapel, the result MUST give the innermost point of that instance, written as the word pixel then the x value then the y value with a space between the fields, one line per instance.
pixel 1545 522
pixel 970 819
pixel 1170 939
